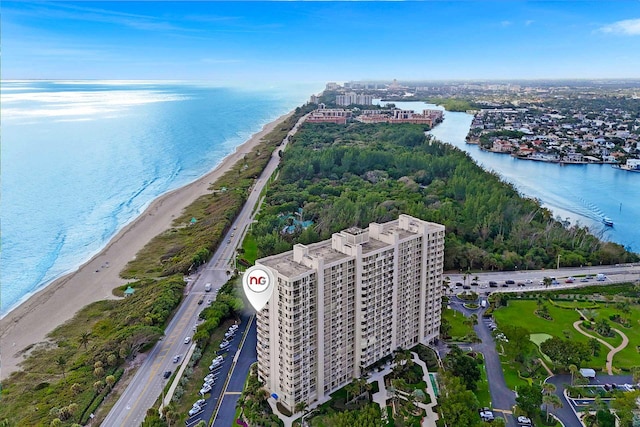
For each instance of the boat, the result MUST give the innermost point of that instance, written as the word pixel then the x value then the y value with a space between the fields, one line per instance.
pixel 607 221
pixel 633 167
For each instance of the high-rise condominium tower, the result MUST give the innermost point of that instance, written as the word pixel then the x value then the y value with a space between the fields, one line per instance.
pixel 342 304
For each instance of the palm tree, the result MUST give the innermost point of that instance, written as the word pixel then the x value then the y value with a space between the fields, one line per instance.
pixel 300 406
pixel 574 370
pixel 61 362
pixel 84 339
pixel 110 380
pixel 551 400
pixel 547 281
pixel 548 388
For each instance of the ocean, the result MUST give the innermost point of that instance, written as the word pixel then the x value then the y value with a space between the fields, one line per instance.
pixel 81 159
pixel 578 194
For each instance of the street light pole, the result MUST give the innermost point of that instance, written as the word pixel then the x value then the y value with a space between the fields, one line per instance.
pixel 558 264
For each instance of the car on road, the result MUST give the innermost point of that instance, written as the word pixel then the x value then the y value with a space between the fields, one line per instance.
pixel 176 358
pixel 504 285
pixel 521 284
pixel 194 410
pixel 200 301
pixel 510 282
pixel 523 421
pixel 493 284
pixel 466 287
pixel 187 340
pixel 207 287
pixel 166 374
pixel 486 414
pixel 229 241
pixel 584 279
pixel 458 283
pixel 474 283
pixel 235 227
pixel 570 280
pixel 209 301
pixel 528 281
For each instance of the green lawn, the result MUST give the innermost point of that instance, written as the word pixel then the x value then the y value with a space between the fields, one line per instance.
pixel 250 248
pixel 521 313
pixel 456 319
pixel 482 392
pixel 511 377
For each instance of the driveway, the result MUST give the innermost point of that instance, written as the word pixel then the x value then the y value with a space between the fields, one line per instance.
pixel 566 413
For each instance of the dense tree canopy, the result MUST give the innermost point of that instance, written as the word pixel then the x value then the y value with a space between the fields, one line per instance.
pixel 340 176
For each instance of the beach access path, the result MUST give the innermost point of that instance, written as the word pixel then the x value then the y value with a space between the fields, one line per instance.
pixel 27 326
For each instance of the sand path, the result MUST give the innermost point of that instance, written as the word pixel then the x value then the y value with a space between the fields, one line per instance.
pixel 31 321
pixel 612 350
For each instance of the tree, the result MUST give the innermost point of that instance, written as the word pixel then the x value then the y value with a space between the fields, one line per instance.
pixel 594 346
pixel 565 352
pixel 551 400
pixel 573 369
pixel 457 405
pixel 529 399
pixel 625 405
pixel 84 339
pixel 548 388
pixel 547 281
pixel 76 389
pixel 110 381
pixel 464 367
pixel 300 406
pixel 61 362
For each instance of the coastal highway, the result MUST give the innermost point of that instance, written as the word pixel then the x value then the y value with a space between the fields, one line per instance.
pixel 148 382
pixel 620 273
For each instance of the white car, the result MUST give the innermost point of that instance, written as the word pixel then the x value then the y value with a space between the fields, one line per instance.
pixel 209 377
pixel 176 358
pixel 218 359
pixel 233 327
pixel 522 420
pixel 187 340
pixel 229 334
pixel 199 402
pixel 225 344
pixel 205 389
pixel 209 382
pixel 194 410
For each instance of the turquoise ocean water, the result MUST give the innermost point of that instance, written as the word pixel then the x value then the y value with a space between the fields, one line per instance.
pixel 82 159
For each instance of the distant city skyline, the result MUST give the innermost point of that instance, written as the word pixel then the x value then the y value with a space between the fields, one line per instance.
pixel 279 42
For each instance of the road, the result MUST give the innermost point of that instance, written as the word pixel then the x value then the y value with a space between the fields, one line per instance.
pixel 502 398
pixel 566 414
pixel 614 274
pixel 148 382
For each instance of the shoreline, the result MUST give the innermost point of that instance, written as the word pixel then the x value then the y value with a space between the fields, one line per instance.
pixel 27 324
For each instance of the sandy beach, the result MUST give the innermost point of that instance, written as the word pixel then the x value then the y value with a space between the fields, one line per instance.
pixel 31 321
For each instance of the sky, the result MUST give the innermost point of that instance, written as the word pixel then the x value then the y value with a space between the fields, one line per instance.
pixel 248 42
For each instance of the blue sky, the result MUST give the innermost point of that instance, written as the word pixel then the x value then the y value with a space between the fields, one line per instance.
pixel 277 42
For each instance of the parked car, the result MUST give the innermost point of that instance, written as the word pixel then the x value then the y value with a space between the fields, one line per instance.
pixel 225 344
pixel 194 410
pixel 200 402
pixel 205 389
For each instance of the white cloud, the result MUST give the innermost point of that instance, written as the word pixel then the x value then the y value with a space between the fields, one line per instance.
pixel 629 27
pixel 505 23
